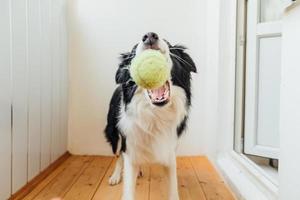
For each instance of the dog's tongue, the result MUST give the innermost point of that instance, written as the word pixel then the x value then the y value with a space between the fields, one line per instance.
pixel 158 93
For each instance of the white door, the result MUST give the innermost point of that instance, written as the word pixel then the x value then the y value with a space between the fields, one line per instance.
pixel 34 88
pixel 263 67
pixel 19 58
pixel 56 75
pixel 46 83
pixel 5 102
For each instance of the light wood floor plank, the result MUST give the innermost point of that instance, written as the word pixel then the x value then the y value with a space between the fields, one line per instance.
pixel 87 183
pixel 49 178
pixel 86 178
pixel 58 187
pixel 143 185
pixel 212 184
pixel 188 184
pixel 106 191
pixel 158 184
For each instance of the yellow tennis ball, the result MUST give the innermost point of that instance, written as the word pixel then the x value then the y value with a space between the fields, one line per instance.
pixel 150 69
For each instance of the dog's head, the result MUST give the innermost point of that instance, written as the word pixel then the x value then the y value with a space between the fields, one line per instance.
pixel 178 60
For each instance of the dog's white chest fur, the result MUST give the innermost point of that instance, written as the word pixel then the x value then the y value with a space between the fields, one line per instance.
pixel 151 131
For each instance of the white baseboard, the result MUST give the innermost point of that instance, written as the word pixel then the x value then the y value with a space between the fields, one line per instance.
pixel 247 180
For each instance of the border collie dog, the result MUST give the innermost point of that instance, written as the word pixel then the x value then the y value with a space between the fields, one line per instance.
pixel 143 126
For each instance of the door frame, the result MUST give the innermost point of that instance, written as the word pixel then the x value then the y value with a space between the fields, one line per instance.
pixel 239 104
pixel 257 31
pixel 240 83
pixel 244 176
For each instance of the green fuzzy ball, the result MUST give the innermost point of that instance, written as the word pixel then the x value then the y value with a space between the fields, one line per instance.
pixel 150 69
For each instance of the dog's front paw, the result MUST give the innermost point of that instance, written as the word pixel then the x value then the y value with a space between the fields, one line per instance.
pixel 115 179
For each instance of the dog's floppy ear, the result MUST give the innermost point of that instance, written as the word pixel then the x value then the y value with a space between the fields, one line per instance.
pixel 183 57
pixel 123 74
pixel 191 64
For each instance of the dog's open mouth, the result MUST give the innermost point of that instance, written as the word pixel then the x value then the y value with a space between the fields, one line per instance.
pixel 160 96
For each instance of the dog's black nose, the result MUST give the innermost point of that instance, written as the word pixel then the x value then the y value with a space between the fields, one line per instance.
pixel 150 38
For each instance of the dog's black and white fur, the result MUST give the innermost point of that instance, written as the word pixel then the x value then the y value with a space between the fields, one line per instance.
pixel 144 128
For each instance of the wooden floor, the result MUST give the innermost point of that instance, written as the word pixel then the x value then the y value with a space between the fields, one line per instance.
pixel 86 177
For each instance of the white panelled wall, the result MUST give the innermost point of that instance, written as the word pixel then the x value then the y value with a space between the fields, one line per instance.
pixel 33 82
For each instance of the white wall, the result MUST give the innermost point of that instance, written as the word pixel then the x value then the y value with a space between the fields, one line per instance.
pixel 100 30
pixel 289 171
